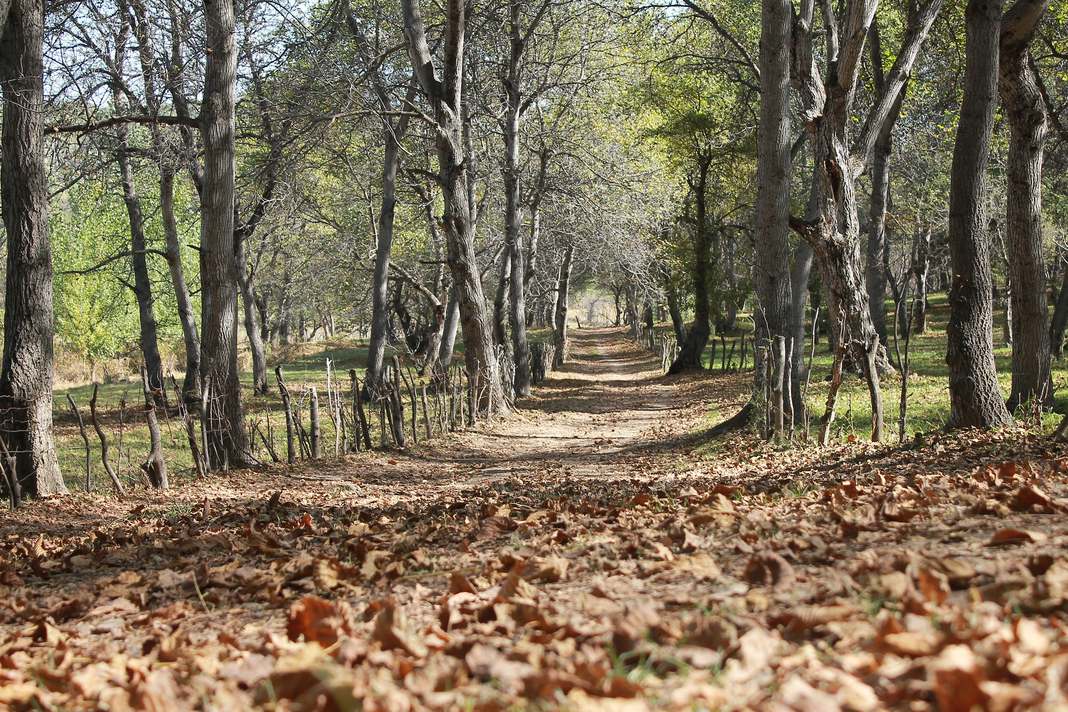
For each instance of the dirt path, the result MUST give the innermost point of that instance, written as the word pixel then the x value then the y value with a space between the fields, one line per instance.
pixel 589 418
pixel 588 552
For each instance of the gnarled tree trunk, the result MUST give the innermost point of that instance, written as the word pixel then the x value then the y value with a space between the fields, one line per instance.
pixel 446 98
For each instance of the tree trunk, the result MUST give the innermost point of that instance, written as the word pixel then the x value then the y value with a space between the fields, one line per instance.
pixel 512 214
pixel 446 97
pixel 730 317
pixel 799 276
pixel 142 286
pixel 693 347
pixel 448 331
pixel 1059 324
pixel 142 31
pixel 26 376
pixel 500 301
pixel 771 269
pixel 284 311
pixel 376 347
pixel 839 156
pixel 250 319
pixel 563 284
pixel 973 386
pixel 190 337
pixel 920 267
pixel 1025 111
pixel 878 248
pixel 677 324
pixel 149 339
pixel 227 439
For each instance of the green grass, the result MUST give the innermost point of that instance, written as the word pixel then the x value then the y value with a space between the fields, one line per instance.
pixel 120 406
pixel 928 397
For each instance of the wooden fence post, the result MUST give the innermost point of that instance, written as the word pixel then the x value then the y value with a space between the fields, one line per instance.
pixel 85 440
pixel 103 444
pixel 314 413
pixel 287 407
pixel 155 467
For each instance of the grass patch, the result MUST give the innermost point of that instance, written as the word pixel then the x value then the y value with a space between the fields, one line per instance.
pixel 928 397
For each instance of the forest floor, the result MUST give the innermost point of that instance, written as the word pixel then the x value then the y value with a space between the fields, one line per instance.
pixel 591 551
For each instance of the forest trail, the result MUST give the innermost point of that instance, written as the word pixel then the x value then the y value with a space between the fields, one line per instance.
pixel 590 551
pixel 602 415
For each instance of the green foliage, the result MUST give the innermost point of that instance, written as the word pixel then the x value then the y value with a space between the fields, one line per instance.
pixel 96 311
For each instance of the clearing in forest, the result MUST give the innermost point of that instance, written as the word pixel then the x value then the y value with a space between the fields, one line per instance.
pixel 590 551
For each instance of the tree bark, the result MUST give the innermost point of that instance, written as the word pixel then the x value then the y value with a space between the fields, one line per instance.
pixel 1059 323
pixel 693 347
pixel 921 261
pixel 376 347
pixel 142 286
pixel 27 373
pixel 1026 114
pixel 512 214
pixel 448 331
pixel 563 285
pixel 227 437
pixel 771 270
pixel 875 267
pixel 446 97
pixel 249 316
pixel 973 387
pixel 677 323
pixel 186 316
pixel 799 277
pixel 500 301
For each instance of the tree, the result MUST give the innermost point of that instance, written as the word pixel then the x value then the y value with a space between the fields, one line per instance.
pixel 142 286
pixel 973 386
pixel 167 172
pixel 876 271
pixel 27 372
pixel 516 104
pixel 227 442
pixel 697 335
pixel 827 106
pixel 1026 114
pixel 772 211
pixel 446 98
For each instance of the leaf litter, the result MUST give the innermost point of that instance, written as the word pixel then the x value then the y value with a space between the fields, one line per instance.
pixel 581 554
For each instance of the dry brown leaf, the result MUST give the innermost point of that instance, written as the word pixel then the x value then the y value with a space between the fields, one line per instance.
pixel 316 620
pixel 957 677
pixel 769 569
pixel 392 633
pixel 548 569
pixel 1029 498
pixel 1012 537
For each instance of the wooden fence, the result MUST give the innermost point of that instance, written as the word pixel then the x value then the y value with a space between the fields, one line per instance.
pixel 333 416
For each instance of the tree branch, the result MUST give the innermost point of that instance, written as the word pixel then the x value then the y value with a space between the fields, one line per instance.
pixel 121 121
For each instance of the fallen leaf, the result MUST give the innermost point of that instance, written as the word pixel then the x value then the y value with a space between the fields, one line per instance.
pixel 1012 537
